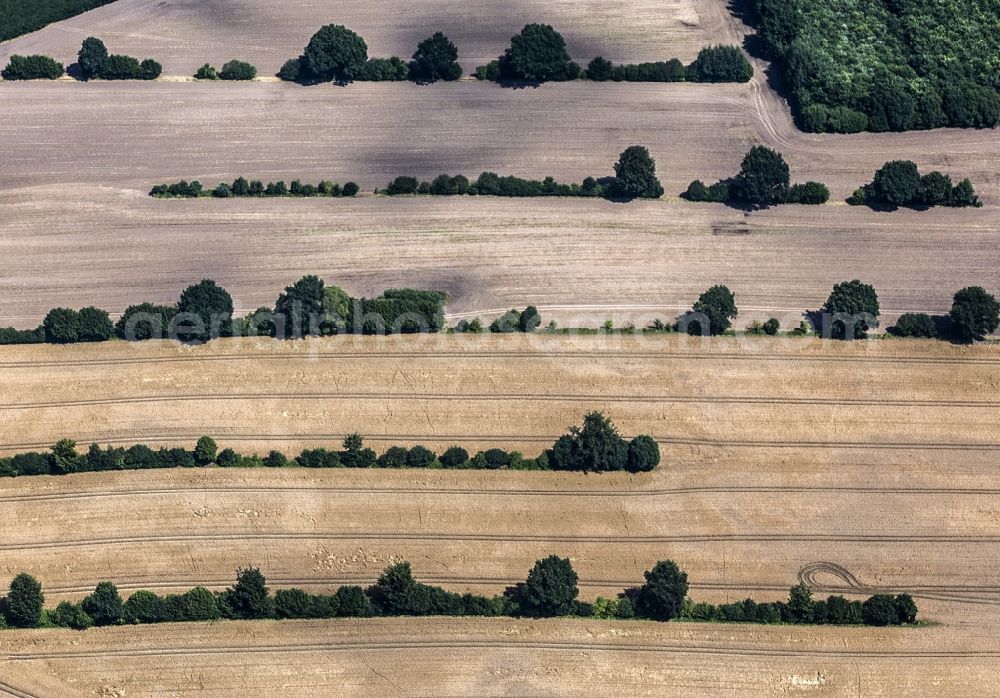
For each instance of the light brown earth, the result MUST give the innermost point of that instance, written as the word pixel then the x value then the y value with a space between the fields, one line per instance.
pixel 856 468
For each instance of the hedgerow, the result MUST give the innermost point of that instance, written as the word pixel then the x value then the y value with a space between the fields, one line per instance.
pixel 244 188
pixel 93 61
pixel 596 447
pixel 763 180
pixel 899 183
pixel 551 589
pixel 32 68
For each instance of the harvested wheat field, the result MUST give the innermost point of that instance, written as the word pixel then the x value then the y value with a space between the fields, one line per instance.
pixel 184 34
pixel 856 468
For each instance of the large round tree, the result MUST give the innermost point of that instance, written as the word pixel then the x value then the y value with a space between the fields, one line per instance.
pixel 717 306
pixel 975 313
pixel 550 590
pixel 209 312
pixel 24 602
pixel 335 53
pixel 538 54
pixel 635 175
pixel 851 310
pixel 662 596
pixel 897 183
pixel 763 179
pixel 435 59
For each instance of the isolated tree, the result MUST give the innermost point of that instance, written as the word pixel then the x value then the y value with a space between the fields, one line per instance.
pixel 335 53
pixel 643 454
pixel 435 59
pixel 92 57
pixel 662 596
pixel 550 590
pixel 104 605
pixel 95 325
pixel 538 54
pixel 212 305
pixel 62 326
pixel 897 183
pixel 975 314
pixel 205 451
pixel 24 602
pixel 851 310
pixel 763 179
pixel 248 598
pixel 801 604
pixel 301 305
pixel 635 175
pixel 718 306
pixel 879 610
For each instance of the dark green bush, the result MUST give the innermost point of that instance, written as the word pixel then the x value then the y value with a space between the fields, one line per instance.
pixel 435 59
pixel 32 68
pixel 384 70
pixel 720 64
pixel 915 325
pixel 237 70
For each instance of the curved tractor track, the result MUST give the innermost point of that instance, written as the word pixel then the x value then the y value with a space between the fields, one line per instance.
pixel 810 575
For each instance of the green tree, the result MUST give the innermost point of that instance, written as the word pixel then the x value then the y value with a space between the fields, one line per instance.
pixel 104 605
pixel 879 610
pixel 397 593
pixel 897 183
pixel 205 451
pixel 597 447
pixel 436 59
pixel 906 609
pixel 70 615
pixel 538 54
pixel 65 459
pixel 92 57
pixel 851 310
pixel 32 68
pixel 717 306
pixel 635 175
pixel 643 454
pixel 763 179
pixel 206 72
pixel 529 320
pixel 420 457
pixel 95 325
pixel 143 607
pixel 24 602
pixel 199 604
pixel 662 596
pixel 62 326
pixel 935 189
pixel 454 457
pixel 771 327
pixel 720 64
pixel 550 590
pixel 600 70
pixel 238 70
pixel 353 602
pixel 248 598
pixel 301 305
pixel 335 53
pixel 915 325
pixel 800 604
pixel 210 309
pixel 975 314
pixel 292 603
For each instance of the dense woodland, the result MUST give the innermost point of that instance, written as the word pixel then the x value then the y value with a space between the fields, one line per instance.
pixel 885 65
pixel 24 16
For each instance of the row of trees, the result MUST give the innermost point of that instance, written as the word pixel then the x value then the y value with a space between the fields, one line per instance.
pixel 242 187
pixel 550 590
pixel 232 70
pixel 851 311
pixel 713 64
pixel 93 61
pixel 595 447
pixel 538 54
pixel 764 180
pixel 32 68
pixel 335 53
pixel 899 183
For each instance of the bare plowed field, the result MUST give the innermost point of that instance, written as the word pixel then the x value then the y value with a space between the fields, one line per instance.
pixel 498 657
pixel 184 34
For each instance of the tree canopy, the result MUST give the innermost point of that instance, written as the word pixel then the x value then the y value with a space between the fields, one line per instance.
pixel 763 179
pixel 538 54
pixel 435 59
pixel 975 314
pixel 550 590
pixel 335 53
pixel 635 175
pixel 851 310
pixel 662 596
pixel 717 306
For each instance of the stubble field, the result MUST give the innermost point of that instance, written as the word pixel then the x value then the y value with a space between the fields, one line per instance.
pixel 857 468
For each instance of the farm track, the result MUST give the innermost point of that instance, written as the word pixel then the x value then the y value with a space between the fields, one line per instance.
pixel 809 575
pixel 428 644
pixel 7 690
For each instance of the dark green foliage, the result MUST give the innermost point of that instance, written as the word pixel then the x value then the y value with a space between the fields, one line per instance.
pixel 355 455
pixel 276 459
pixel 117 67
pixel 10 335
pixel 23 607
pixel 763 179
pixel 715 308
pixel 237 70
pixel 635 175
pixel 771 327
pixel 661 597
pixel 492 71
pixel 205 451
pixel 536 55
pixel 182 189
pixel 420 457
pixel 92 57
pixel 643 454
pixel 897 183
pixel 248 598
pixel 32 68
pixel 915 325
pixel 104 606
pixel 720 64
pixel 454 457
pixel 384 70
pixel 400 311
pixel 851 310
pixel 293 603
pixel 301 305
pixel 25 16
pixel 350 189
pixel 443 185
pixel 402 185
pixel 550 590
pixel 811 193
pixel 206 72
pixel 64 458
pixel 394 457
pixel 975 314
pixel 597 447
pixel 70 615
pixel 145 321
pixel 143 607
pixel 95 325
pixel 242 188
pixel 600 70
pixel 207 312
pixel 435 59
pixel 32 463
pixel 319 458
pixel 293 70
pixel 906 609
pixel 62 326
pixel 879 610
pixel 801 607
pixel 495 459
pixel 697 191
pixel 935 189
pixel 335 53
pixel 353 602
pixel 198 604
pixel 853 65
pixel 529 320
